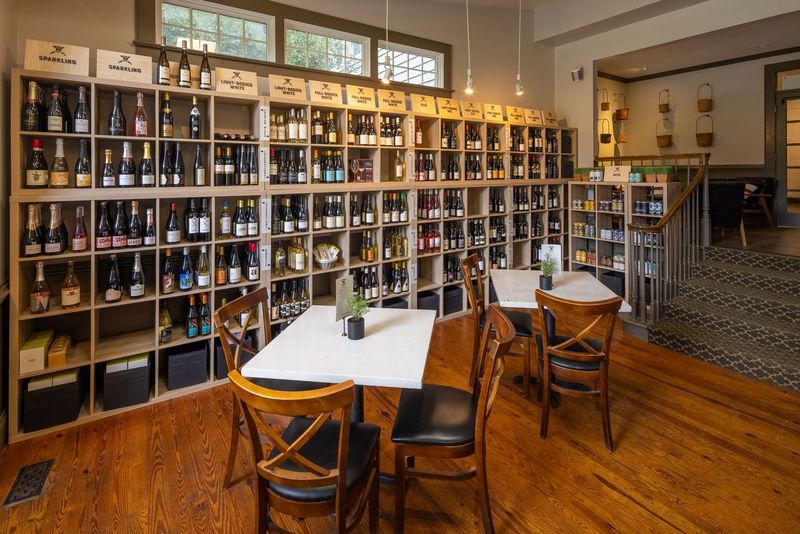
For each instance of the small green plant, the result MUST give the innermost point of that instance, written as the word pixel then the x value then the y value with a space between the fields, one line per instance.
pixel 548 266
pixel 358 307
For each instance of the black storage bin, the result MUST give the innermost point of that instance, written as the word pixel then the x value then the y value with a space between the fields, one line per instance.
pixel 187 366
pixel 453 299
pixel 221 365
pixel 566 143
pixel 615 282
pixel 52 406
pixel 428 300
pixel 492 293
pixel 587 269
pixel 399 304
pixel 126 388
pixel 567 169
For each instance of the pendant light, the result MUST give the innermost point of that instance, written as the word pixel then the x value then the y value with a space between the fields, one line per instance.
pixel 519 88
pixel 468 88
pixel 388 71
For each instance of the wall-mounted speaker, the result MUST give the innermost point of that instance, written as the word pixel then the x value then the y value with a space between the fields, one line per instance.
pixel 577 74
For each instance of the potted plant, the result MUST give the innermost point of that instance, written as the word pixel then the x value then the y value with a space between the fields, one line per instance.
pixel 355 323
pixel 548 268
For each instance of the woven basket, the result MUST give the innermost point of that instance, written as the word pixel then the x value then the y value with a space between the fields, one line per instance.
pixel 622 113
pixel 663 101
pixel 605 105
pixel 663 140
pixel 705 103
pixel 704 138
pixel 605 131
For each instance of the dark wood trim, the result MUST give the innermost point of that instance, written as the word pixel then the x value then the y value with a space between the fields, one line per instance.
pixel 145 35
pixel 614 77
pixel 721 63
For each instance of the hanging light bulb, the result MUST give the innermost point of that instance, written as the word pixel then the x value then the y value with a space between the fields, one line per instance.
pixel 519 88
pixel 468 88
pixel 388 71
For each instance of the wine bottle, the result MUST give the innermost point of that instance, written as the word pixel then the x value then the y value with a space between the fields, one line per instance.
pixel 119 238
pixel 199 167
pixel 239 220
pixel 137 287
pixel 79 234
pixel 127 168
pixel 109 175
pixel 192 320
pixel 192 221
pixel 273 167
pixel 173 226
pixel 116 119
pixel 178 168
pixel 59 171
pixel 81 117
pixel 252 219
pixel 165 174
pixel 167 274
pixel 302 173
pixel 163 64
pixel 83 166
pixel 184 70
pixel 55 113
pixel 149 239
pixel 70 288
pixel 52 242
pixel 31 243
pixel 219 166
pixel 203 272
pixel 225 221
pixel 30 110
pixel 135 226
pixel 205 71
pixel 253 164
pixel 234 267
pixel 147 175
pixel 204 221
pixel 204 315
pixel 186 273
pixel 164 325
pixel 40 291
pixel 166 117
pixel 229 165
pixel 221 272
pixel 252 273
pixel 103 234
pixel 114 283
pixel 37 175
pixel 194 120
pixel 140 117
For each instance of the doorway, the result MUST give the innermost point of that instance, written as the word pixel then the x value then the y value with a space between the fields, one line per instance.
pixel 787 172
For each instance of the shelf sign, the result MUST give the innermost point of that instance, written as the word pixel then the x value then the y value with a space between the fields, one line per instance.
pixel 423 104
pixel 240 82
pixel 550 118
pixel 325 92
pixel 616 173
pixel 448 108
pixel 122 66
pixel 390 100
pixel 56 57
pixel 471 110
pixel 493 112
pixel 515 114
pixel 360 97
pixel 287 87
pixel 534 117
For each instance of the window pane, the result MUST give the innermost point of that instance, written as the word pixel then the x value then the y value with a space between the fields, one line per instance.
pixel 354 66
pixel 336 46
pixel 174 35
pixel 336 63
pixel 207 38
pixel 255 30
pixel 401 76
pixel 428 78
pixel 203 20
pixel 256 50
pixel 317 60
pixel 381 55
pixel 231 46
pixel 414 62
pixel 295 39
pixel 355 50
pixel 295 56
pixel 175 15
pixel 231 26
pixel 316 42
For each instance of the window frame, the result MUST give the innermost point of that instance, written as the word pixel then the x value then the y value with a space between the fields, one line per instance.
pixel 363 40
pixel 398 47
pixel 222 9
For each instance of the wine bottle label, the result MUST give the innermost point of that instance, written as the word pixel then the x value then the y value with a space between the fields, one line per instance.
pixel 200 176
pixel 225 226
pixel 299 263
pixel 83 180
pixel 301 178
pixel 303 131
pixel 220 277
pixel 127 180
pixel 230 169
pixel 191 329
pixel 113 295
pixel 340 221
pixel 252 272
pixel 148 180
pixel 252 229
pixel 194 225
pixel 177 179
pixel 137 290
pixel 109 181
pixel 234 275
pixel 316 172
pixel 149 240
pixel 369 218
pixel 205 80
pixel 372 139
pixel 288 226
pixel 70 296
pixel 82 126
pixel 398 171
pixel 205 225
pixel 163 74
pixel 273 169
pixel 37 177
pixel 165 334
pixel 185 281
pixel 166 130
pixel 302 225
pixel 78 244
pixel 140 128
pixel 119 241
pixel 33 250
pixel 185 78
pixel 173 236
pixel 167 284
pixel 203 280
pixel 330 221
pixel 134 241
pixel 103 242
pixel 40 301
pixel 59 178
pixel 55 124
pixel 292 131
pixel 240 229
pixel 52 248
pixel 318 130
pixel 205 328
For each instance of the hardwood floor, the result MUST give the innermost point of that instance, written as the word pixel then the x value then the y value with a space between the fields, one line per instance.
pixel 759 239
pixel 699 449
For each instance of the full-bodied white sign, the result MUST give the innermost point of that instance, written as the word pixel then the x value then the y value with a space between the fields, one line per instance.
pixel 240 82
pixel 124 66
pixel 360 97
pixel 56 57
pixel 325 92
pixel 391 100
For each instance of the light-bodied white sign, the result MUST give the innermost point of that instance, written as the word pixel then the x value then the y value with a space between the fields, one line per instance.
pixel 124 66
pixel 287 87
pixel 56 57
pixel 240 82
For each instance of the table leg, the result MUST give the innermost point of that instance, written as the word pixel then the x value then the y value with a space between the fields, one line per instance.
pixel 550 324
pixel 357 413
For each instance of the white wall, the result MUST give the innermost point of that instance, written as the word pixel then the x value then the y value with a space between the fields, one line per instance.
pixel 577 99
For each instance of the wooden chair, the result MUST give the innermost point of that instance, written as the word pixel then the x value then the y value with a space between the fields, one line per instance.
pixel 318 466
pixel 726 203
pixel 520 320
pixel 576 365
pixel 235 350
pixel 757 197
pixel 445 422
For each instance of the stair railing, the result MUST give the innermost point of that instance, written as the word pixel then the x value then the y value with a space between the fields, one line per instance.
pixel 661 255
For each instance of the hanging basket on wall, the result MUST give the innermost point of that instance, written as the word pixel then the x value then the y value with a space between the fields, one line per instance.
pixel 663 140
pixel 605 131
pixel 621 135
pixel 605 105
pixel 663 101
pixel 704 138
pixel 622 112
pixel 705 98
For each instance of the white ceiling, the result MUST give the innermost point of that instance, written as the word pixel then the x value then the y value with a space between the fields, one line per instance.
pixel 506 4
pixel 757 37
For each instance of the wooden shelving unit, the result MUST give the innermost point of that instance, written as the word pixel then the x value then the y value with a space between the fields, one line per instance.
pixel 102 332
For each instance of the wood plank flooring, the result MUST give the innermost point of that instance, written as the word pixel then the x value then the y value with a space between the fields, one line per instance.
pixel 699 449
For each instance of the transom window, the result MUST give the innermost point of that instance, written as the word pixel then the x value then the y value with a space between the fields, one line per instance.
pixel 320 48
pixel 411 65
pixel 225 30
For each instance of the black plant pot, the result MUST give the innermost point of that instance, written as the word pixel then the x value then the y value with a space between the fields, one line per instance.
pixel 546 283
pixel 355 328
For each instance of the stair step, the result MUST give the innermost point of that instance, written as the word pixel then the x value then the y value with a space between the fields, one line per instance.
pixel 745 299
pixel 782 282
pixel 713 346
pixel 764 331
pixel 773 262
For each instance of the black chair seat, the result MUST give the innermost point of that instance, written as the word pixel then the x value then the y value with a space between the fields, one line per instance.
pixel 323 449
pixel 286 385
pixel 520 320
pixel 575 347
pixel 435 415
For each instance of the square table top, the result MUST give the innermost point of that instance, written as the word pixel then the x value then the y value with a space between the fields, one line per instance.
pixel 517 288
pixel 392 353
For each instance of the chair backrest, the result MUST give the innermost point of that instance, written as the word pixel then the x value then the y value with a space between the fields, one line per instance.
pixel 498 334
pixel 477 302
pixel 246 304
pixel 601 314
pixel 726 200
pixel 324 404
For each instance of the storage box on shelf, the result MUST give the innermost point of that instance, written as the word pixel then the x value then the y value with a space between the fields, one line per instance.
pixel 235 134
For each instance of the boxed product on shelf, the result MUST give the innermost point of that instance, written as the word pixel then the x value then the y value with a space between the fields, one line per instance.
pixel 453 299
pixel 33 352
pixel 126 381
pixel 428 300
pixel 51 400
pixel 187 365
pixel 361 170
pixel 57 355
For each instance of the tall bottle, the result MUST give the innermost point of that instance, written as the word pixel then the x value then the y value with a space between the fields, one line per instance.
pixel 59 171
pixel 221 270
pixel 186 273
pixel 116 119
pixel 149 239
pixel 192 320
pixel 135 227
pixel 30 110
pixel 126 172
pixel 203 271
pixel 165 171
pixel 103 233
pixel 55 113
pixel 79 234
pixel 40 291
pixel 234 266
pixel 164 325
pixel 114 282
pixel 147 176
pixel 168 274
pixel 109 175
pixel 173 226
pixel 184 70
pixel 163 64
pixel 83 166
pixel 70 288
pixel 119 238
pixel 194 120
pixel 167 120
pixel 252 273
pixel 140 117
pixel 205 71
pixel 178 168
pixel 199 170
pixel 31 241
pixel 137 287
pixel 37 175
pixel 53 241
pixel 204 315
pixel 253 164
pixel 225 221
pixel 81 118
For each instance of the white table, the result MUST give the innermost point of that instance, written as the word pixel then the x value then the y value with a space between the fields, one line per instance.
pixel 517 289
pixel 392 353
